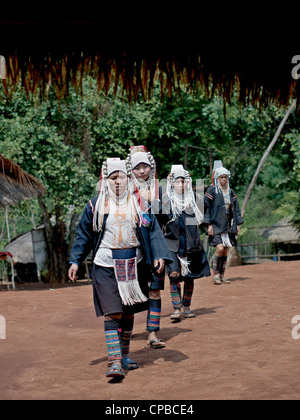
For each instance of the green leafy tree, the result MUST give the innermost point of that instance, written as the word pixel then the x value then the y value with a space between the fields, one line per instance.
pixel 290 203
pixel 29 136
pixel 64 144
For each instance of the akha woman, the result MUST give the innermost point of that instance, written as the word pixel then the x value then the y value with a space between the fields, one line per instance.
pixel 127 245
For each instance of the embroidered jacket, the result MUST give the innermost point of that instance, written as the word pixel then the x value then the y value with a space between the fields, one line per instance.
pixel 151 238
pixel 215 213
pixel 171 230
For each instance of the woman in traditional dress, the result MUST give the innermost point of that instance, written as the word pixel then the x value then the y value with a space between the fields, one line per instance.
pixel 145 180
pixel 183 210
pixel 223 219
pixel 127 245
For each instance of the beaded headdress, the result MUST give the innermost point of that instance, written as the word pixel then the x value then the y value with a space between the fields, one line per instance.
pixel 218 171
pixel 181 202
pixel 139 154
pixel 105 194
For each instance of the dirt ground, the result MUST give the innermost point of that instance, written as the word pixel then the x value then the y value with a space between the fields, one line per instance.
pixel 240 345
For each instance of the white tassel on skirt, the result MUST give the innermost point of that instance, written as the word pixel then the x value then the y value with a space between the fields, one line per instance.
pixel 127 280
pixel 226 240
pixel 184 265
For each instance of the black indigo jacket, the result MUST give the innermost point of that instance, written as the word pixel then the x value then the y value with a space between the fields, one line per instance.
pixel 215 212
pixel 151 238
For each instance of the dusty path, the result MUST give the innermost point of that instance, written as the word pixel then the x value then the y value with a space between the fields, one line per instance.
pixel 239 346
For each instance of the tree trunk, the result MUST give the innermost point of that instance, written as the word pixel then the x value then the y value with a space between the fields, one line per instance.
pixel 266 154
pixel 57 246
pixel 233 255
pixel 72 233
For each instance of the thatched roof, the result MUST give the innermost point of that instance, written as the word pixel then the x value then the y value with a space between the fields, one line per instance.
pixel 283 231
pixel 256 57
pixel 16 184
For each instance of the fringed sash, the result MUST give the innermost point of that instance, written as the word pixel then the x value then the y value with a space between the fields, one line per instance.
pixel 125 266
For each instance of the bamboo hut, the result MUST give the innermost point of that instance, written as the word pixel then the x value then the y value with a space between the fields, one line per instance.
pixel 16 184
pixel 285 237
pixel 19 252
pixel 21 249
pixel 207 53
pixel 283 231
pixel 29 254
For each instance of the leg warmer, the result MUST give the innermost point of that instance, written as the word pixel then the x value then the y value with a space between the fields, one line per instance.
pixel 127 327
pixel 113 342
pixel 153 317
pixel 175 290
pixel 216 264
pixel 188 292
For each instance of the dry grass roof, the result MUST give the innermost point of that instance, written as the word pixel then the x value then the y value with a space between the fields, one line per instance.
pixel 283 232
pixel 16 184
pixel 56 51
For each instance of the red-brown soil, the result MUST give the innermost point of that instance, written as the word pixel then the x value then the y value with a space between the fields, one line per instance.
pixel 240 345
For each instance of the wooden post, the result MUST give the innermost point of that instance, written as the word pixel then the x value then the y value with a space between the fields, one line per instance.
pixel 7 224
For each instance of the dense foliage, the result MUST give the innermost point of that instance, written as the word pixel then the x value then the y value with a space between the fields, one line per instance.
pixel 64 144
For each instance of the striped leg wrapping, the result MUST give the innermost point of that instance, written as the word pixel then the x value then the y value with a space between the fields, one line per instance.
pixel 223 265
pixel 188 293
pixel 153 318
pixel 127 328
pixel 175 295
pixel 113 342
pixel 216 264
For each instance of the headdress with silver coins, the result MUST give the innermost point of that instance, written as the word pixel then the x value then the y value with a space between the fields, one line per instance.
pixel 105 193
pixel 218 171
pixel 136 156
pixel 128 285
pixel 181 202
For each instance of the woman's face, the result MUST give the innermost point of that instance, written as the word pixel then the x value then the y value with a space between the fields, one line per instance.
pixel 223 181
pixel 179 185
pixel 142 171
pixel 118 182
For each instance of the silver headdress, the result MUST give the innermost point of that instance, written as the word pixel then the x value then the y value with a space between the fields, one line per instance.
pixel 218 171
pixel 181 202
pixel 105 193
pixel 138 155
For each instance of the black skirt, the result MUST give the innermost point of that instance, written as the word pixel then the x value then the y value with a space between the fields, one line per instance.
pixel 198 266
pixel 217 239
pixel 106 295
